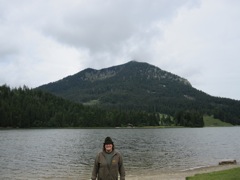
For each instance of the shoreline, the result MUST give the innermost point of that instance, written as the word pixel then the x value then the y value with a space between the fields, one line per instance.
pixel 181 175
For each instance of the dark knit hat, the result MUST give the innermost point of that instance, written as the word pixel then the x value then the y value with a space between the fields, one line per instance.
pixel 108 140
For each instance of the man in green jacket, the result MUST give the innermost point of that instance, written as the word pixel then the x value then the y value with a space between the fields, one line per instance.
pixel 108 163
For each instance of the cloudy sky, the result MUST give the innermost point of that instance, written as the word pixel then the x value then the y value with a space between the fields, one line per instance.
pixel 42 41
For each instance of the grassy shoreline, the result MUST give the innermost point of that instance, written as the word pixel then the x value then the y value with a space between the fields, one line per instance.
pixel 183 175
pixel 233 173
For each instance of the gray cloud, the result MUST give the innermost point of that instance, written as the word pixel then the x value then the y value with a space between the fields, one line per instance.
pixel 106 25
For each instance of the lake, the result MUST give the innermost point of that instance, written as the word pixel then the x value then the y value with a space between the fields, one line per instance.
pixel 70 153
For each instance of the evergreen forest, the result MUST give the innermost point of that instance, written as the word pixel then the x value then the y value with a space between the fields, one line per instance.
pixel 32 108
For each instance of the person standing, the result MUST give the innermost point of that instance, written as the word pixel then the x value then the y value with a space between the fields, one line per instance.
pixel 108 163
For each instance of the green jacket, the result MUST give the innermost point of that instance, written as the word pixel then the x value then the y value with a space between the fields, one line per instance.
pixel 103 171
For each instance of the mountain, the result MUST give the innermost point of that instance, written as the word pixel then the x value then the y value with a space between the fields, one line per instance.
pixel 133 83
pixel 141 86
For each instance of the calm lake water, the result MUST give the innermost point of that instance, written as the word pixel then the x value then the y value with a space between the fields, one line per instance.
pixel 70 153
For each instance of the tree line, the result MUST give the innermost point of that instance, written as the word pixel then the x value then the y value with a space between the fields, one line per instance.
pixel 25 108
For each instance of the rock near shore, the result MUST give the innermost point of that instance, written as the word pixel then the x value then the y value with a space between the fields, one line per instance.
pixel 229 161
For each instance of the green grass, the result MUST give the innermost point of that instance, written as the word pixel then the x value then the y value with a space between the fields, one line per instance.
pixel 209 121
pixel 230 174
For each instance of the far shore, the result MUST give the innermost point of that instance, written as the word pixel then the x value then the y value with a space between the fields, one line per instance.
pixel 181 175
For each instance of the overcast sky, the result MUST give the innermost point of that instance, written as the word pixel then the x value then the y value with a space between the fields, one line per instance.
pixel 42 41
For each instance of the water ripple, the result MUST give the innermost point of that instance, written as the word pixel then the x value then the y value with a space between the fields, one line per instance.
pixel 70 153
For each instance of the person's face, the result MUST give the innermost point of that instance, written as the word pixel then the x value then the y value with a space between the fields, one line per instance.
pixel 108 147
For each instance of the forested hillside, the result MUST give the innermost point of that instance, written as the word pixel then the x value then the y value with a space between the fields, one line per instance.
pixel 133 94
pixel 26 108
pixel 143 87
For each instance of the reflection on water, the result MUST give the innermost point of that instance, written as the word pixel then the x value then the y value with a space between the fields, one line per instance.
pixel 69 153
